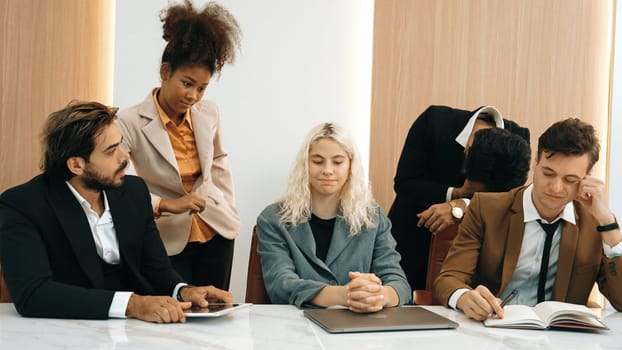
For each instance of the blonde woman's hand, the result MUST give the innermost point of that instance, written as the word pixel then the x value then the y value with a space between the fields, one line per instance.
pixel 364 293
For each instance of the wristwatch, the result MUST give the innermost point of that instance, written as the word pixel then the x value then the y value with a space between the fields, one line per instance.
pixel 456 211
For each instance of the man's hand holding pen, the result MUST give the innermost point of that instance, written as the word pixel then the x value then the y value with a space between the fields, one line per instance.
pixel 505 301
pixel 480 304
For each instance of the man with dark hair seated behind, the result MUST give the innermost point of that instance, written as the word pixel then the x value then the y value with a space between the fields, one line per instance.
pixel 498 159
pixel 430 171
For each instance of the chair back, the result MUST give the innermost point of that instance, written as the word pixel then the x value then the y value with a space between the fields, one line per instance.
pixel 255 288
pixel 4 291
pixel 439 246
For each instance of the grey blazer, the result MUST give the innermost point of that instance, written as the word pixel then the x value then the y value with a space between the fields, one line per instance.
pixel 293 274
pixel 153 159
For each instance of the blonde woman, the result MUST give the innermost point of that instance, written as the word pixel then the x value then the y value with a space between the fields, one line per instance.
pixel 326 242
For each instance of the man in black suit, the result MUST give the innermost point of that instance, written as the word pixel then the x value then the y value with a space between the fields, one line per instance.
pixel 430 179
pixel 79 240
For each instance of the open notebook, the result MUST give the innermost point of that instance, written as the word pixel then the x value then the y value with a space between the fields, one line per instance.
pixel 547 314
pixel 389 319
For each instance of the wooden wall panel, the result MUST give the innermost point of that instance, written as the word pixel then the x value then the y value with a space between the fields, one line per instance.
pixel 52 51
pixel 537 61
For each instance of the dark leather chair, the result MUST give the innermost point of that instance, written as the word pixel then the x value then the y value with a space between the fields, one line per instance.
pixel 255 288
pixel 4 291
pixel 439 246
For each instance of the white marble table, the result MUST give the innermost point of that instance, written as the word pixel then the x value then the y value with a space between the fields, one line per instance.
pixel 277 327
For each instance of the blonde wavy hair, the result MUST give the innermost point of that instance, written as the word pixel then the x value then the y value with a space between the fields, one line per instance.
pixel 356 202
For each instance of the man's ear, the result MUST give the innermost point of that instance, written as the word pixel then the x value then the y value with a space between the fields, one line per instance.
pixel 76 165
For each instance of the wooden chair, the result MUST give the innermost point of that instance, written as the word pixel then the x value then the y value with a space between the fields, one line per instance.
pixel 255 288
pixel 439 246
pixel 4 291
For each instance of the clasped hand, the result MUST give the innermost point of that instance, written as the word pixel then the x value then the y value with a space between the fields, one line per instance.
pixel 364 293
pixel 164 309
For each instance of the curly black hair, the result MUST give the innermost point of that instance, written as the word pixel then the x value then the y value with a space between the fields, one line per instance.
pixel 207 37
pixel 499 159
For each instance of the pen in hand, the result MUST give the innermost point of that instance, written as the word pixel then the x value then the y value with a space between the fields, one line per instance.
pixel 507 299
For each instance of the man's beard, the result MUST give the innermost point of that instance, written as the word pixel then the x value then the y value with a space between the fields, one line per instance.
pixel 96 181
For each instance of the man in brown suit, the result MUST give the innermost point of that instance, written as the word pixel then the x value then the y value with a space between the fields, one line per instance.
pixel 501 243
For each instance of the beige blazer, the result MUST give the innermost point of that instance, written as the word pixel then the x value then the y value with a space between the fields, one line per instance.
pixel 153 159
pixel 488 244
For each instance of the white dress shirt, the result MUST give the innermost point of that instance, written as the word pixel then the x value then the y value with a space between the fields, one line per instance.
pixel 105 237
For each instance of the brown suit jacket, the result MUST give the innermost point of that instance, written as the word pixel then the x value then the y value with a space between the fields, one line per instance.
pixel 487 247
pixel 154 160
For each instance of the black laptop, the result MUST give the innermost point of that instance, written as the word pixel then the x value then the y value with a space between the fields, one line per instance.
pixel 390 319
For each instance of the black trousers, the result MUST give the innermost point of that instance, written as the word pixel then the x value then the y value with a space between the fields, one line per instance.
pixel 413 243
pixel 414 247
pixel 205 264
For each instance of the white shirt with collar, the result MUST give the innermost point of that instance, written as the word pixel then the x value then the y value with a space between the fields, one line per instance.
pixel 107 246
pixel 527 272
pixel 105 237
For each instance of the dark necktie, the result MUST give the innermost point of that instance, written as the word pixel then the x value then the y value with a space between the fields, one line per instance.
pixel 544 265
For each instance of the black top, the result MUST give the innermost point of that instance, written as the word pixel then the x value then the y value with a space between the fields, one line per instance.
pixel 323 233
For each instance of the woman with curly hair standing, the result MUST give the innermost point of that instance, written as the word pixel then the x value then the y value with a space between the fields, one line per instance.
pixel 174 140
pixel 326 242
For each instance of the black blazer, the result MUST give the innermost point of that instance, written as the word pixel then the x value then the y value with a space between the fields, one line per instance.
pixel 48 254
pixel 431 161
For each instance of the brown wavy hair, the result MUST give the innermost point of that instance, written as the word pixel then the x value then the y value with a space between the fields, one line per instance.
pixel 208 37
pixel 71 132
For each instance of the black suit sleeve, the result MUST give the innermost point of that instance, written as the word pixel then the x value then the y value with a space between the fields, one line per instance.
pixel 430 161
pixel 44 268
pixel 29 277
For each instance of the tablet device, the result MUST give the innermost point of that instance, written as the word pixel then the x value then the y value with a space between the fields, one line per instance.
pixel 214 309
pixel 390 319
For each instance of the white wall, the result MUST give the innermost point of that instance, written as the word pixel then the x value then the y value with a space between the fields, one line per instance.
pixel 615 162
pixel 303 62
